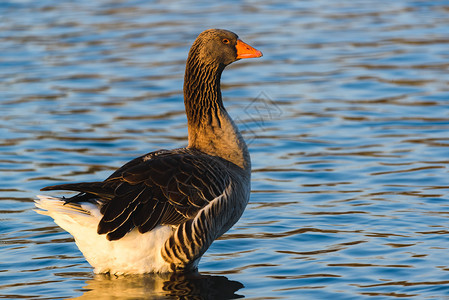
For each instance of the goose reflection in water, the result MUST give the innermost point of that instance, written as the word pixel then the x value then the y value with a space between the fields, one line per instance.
pixel 161 286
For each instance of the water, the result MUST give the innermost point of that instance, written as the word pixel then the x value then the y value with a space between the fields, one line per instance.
pixel 346 116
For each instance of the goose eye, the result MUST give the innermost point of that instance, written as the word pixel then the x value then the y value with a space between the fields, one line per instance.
pixel 225 41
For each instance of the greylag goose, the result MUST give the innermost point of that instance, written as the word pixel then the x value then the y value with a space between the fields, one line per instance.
pixel 161 211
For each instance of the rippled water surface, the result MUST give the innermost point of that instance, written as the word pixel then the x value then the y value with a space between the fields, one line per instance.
pixel 346 116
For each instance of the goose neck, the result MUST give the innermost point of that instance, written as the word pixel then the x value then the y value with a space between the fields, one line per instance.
pixel 210 128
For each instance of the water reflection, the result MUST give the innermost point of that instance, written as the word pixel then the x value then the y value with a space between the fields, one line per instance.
pixel 161 286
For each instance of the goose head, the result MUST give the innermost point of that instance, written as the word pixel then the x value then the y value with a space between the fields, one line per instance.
pixel 222 47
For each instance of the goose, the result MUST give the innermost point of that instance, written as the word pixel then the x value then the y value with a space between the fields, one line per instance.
pixel 160 212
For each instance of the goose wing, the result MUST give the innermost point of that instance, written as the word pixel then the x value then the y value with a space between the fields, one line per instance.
pixel 160 188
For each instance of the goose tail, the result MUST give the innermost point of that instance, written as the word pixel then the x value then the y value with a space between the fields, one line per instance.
pixel 69 216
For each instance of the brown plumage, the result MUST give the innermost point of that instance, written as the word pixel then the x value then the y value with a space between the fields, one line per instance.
pixel 201 190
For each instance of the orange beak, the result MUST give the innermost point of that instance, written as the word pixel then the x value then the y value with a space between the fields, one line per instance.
pixel 246 51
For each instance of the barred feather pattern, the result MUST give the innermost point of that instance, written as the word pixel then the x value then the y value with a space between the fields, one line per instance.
pixel 192 238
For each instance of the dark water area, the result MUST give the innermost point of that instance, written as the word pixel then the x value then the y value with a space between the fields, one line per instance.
pixel 346 117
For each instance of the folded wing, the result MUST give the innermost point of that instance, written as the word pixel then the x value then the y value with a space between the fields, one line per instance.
pixel 160 188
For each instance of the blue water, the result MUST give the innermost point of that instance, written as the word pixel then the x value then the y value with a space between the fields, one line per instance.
pixel 346 117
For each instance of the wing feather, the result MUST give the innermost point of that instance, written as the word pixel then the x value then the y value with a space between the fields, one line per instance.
pixel 163 187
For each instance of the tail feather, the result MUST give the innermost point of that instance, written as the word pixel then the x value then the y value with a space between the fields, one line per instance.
pixel 101 189
pixel 69 216
pixel 50 205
